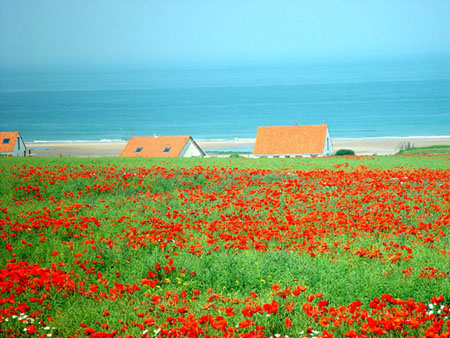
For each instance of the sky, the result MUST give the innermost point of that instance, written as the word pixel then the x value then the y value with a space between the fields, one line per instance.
pixel 40 33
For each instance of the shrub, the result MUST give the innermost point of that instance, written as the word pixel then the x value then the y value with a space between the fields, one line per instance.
pixel 343 152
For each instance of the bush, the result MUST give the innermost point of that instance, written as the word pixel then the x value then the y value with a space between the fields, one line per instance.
pixel 343 152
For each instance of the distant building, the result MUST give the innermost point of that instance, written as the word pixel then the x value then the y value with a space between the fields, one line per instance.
pixel 162 146
pixel 12 144
pixel 293 141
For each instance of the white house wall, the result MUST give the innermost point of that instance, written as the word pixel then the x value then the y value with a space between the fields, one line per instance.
pixel 191 150
pixel 328 146
pixel 19 148
pixel 16 151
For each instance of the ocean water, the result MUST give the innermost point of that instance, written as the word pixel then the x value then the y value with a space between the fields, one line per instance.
pixel 356 100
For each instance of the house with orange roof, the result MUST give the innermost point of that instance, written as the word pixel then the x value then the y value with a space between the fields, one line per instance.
pixel 293 141
pixel 12 144
pixel 162 146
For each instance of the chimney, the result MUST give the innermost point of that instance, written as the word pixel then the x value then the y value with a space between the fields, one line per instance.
pixel 154 135
pixel 323 122
pixel 296 124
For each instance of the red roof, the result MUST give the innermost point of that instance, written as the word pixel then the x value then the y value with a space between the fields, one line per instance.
pixel 155 146
pixel 290 140
pixel 8 140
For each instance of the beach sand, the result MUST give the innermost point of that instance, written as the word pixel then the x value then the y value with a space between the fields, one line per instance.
pixel 84 149
pixel 386 146
pixel 368 146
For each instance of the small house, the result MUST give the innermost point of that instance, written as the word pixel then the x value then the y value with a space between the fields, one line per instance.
pixel 12 144
pixel 162 146
pixel 293 141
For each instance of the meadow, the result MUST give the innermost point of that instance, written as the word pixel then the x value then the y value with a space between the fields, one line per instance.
pixel 320 247
pixel 438 149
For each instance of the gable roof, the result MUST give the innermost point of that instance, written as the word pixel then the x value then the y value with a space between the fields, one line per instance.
pixel 155 146
pixel 290 140
pixel 12 136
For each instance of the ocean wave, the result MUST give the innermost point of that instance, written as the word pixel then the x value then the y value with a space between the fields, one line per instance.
pixel 244 140
pixel 227 140
pixel 118 140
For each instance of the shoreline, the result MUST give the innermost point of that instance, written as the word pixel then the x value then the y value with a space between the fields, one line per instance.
pixel 237 139
pixel 361 146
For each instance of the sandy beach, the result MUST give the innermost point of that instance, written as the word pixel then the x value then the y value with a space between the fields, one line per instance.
pixel 386 146
pixel 367 146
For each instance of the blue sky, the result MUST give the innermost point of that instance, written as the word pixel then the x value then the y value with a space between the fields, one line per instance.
pixel 211 32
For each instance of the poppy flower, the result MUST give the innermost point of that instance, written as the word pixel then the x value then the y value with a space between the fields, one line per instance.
pixel 288 322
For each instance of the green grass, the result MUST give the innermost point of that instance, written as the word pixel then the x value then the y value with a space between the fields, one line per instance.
pixel 333 162
pixel 431 150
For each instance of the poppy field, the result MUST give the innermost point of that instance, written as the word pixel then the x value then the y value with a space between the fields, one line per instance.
pixel 348 247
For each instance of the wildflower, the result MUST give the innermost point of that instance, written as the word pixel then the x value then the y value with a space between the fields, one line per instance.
pixel 31 329
pixel 288 322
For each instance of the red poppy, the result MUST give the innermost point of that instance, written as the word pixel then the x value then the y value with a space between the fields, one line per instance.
pixel 288 322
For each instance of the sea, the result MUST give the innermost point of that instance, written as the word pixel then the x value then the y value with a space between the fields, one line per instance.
pixel 377 99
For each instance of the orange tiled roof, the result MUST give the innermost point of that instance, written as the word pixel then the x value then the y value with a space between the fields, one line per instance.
pixel 290 140
pixel 12 136
pixel 151 146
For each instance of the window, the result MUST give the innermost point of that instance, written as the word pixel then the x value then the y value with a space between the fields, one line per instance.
pixel 6 141
pixel 166 149
pixel 138 150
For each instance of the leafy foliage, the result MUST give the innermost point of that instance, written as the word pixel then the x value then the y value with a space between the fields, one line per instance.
pixel 343 152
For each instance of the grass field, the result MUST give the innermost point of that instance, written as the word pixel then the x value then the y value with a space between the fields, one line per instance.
pixel 439 149
pixel 322 247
